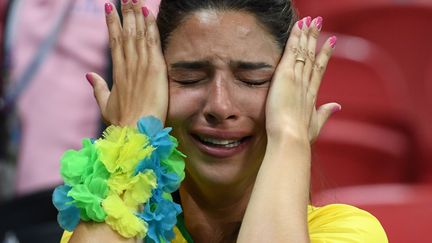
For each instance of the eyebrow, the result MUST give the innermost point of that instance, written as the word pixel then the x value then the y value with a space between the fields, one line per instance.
pixel 206 64
pixel 191 65
pixel 251 65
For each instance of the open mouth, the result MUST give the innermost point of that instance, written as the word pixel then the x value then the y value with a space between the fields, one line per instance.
pixel 220 143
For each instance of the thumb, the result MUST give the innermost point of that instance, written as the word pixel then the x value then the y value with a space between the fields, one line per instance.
pixel 325 111
pixel 100 89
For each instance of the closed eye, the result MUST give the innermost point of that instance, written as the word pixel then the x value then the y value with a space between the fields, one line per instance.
pixel 255 82
pixel 187 81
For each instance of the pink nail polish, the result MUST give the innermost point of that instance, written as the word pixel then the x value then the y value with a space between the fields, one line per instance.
pixel 300 23
pixel 134 1
pixel 332 41
pixel 308 21
pixel 145 11
pixel 336 109
pixel 89 78
pixel 125 1
pixel 318 22
pixel 108 8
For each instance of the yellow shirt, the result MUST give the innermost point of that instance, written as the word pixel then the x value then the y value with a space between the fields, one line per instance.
pixel 334 223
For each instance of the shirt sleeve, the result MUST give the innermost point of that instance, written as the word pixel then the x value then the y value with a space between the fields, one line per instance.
pixel 66 237
pixel 339 223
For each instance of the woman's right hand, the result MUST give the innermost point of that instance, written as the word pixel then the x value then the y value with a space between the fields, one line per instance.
pixel 140 83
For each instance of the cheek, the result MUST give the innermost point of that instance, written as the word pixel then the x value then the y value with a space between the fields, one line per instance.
pixel 183 103
pixel 252 102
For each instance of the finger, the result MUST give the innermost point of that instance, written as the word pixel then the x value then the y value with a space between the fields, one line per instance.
pixel 314 32
pixel 154 48
pixel 301 55
pixel 320 64
pixel 100 89
pixel 291 49
pixel 324 113
pixel 139 11
pixel 129 33
pixel 115 40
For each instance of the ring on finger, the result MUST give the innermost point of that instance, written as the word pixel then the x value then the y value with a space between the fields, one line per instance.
pixel 300 59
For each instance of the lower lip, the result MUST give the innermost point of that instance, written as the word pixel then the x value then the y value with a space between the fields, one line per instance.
pixel 221 152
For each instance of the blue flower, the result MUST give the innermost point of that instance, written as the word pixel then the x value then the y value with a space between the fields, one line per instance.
pixel 166 180
pixel 69 215
pixel 158 136
pixel 161 215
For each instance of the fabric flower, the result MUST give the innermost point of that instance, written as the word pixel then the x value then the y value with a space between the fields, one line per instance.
pixel 68 215
pixel 140 189
pixel 88 198
pixel 161 215
pixel 122 219
pixel 122 148
pixel 170 172
pixel 75 163
pixel 159 136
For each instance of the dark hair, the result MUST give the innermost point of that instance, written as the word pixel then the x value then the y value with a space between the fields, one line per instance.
pixel 277 16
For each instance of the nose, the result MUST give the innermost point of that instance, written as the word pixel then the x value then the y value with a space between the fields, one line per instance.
pixel 220 105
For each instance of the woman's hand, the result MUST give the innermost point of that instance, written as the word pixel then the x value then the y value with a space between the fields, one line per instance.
pixel 291 102
pixel 140 84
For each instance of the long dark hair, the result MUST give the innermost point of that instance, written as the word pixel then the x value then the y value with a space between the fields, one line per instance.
pixel 277 16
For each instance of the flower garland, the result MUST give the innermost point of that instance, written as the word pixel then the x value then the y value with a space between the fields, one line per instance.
pixel 123 179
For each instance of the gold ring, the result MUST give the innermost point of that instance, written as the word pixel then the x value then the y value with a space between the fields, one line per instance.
pixel 301 60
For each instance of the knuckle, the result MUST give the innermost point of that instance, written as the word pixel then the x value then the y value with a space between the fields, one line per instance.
pixel 128 32
pixel 140 34
pixel 127 9
pixel 311 56
pixel 115 41
pixel 137 10
pixel 150 23
pixel 327 52
pixel 311 96
pixel 152 40
pixel 315 33
pixel 319 68
pixel 294 49
pixel 303 52
pixel 110 19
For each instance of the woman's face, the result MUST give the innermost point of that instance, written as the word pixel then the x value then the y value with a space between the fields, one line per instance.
pixel 220 65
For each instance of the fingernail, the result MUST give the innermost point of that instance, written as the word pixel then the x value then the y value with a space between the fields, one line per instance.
pixel 108 8
pixel 134 1
pixel 125 1
pixel 332 41
pixel 89 78
pixel 308 21
pixel 300 23
pixel 145 11
pixel 318 22
pixel 336 109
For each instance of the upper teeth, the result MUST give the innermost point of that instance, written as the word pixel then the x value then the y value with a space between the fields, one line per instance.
pixel 218 141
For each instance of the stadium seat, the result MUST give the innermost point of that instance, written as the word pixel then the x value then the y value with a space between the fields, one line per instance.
pixel 404 210
pixel 370 140
pixel 426 132
pixel 402 31
pixel 328 7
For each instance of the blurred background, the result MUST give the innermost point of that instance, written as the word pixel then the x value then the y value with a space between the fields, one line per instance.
pixel 376 154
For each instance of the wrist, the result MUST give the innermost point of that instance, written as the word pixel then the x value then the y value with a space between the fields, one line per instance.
pixel 288 136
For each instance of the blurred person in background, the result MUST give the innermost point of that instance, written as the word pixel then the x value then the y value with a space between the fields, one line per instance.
pixel 46 106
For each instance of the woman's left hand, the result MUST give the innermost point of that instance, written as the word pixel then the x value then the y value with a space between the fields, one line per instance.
pixel 291 101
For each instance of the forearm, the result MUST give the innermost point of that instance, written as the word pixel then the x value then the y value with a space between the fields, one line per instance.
pixel 96 233
pixel 277 210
